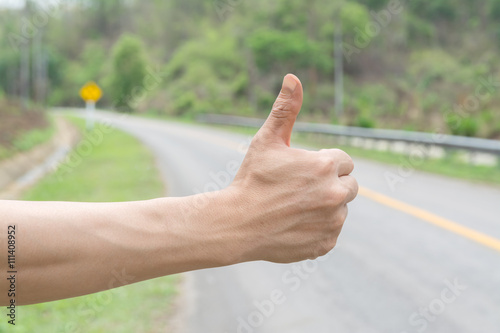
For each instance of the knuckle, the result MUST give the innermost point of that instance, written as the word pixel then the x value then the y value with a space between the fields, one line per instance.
pixel 343 155
pixel 338 157
pixel 282 107
pixel 352 188
pixel 325 164
pixel 342 215
pixel 331 198
pixel 340 152
pixel 355 186
pixel 339 195
pixel 326 246
pixel 350 162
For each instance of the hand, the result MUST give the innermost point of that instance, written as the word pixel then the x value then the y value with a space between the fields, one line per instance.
pixel 284 205
pixel 293 202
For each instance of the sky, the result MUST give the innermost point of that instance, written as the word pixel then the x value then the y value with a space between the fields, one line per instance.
pixel 11 3
pixel 21 3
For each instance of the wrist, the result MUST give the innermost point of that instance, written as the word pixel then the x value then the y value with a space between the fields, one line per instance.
pixel 215 217
pixel 199 231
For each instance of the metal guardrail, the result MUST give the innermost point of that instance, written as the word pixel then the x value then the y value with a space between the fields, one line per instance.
pixel 430 139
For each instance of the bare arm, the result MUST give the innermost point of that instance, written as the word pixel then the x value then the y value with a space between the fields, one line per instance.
pixel 71 249
pixel 284 205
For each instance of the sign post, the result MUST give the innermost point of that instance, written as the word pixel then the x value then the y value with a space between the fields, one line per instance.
pixel 90 93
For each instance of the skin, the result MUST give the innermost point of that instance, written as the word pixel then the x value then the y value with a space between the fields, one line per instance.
pixel 284 205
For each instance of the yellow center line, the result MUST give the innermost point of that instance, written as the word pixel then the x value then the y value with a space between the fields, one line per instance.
pixel 431 218
pixel 419 213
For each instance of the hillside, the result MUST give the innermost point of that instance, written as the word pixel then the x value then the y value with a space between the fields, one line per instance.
pixel 416 65
pixel 20 128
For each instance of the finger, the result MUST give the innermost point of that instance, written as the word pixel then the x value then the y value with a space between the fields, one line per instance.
pixel 351 185
pixel 278 126
pixel 343 161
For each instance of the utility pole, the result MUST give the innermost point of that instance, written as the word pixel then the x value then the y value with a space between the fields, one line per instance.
pixel 37 66
pixel 40 71
pixel 339 65
pixel 24 82
pixel 45 76
pixel 25 74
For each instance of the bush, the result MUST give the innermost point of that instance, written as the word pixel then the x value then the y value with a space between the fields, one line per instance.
pixel 436 9
pixel 129 71
pixel 265 100
pixel 420 29
pixel 365 121
pixel 370 101
pixel 207 75
pixel 463 126
pixel 277 49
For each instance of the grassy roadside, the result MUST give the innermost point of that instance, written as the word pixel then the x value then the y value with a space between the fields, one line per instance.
pixel 118 169
pixel 450 166
pixel 27 140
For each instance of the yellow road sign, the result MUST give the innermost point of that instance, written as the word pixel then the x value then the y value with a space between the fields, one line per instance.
pixel 91 92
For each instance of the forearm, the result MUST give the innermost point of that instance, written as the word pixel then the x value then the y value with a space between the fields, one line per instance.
pixel 69 249
pixel 284 205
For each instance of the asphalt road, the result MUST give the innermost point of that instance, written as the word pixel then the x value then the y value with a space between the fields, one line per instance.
pixel 400 266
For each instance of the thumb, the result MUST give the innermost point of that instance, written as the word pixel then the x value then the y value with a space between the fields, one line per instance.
pixel 278 126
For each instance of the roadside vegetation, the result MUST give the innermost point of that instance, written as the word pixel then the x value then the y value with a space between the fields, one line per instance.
pixel 22 129
pixel 413 65
pixel 451 165
pixel 118 169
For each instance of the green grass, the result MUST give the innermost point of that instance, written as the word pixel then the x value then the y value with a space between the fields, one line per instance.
pixel 450 166
pixel 5 153
pixel 185 119
pixel 32 138
pixel 29 140
pixel 117 169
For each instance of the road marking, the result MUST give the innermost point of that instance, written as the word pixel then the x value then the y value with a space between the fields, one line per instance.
pixel 419 213
pixel 431 218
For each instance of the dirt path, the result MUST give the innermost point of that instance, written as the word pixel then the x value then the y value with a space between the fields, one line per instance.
pixel 24 169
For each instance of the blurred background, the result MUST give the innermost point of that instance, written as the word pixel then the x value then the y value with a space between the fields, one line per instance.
pixel 402 68
pixel 415 66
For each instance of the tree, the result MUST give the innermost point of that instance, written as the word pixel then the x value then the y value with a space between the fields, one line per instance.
pixel 128 72
pixel 285 50
pixel 207 74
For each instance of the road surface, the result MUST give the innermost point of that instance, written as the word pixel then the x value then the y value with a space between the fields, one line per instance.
pixel 428 261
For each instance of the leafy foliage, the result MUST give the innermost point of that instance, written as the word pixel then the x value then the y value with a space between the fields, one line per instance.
pixel 409 68
pixel 274 48
pixel 206 75
pixel 128 71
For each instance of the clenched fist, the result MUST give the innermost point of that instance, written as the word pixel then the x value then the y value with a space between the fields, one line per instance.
pixel 284 205
pixel 292 202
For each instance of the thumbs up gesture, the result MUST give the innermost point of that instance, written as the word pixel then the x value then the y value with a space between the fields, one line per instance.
pixel 293 202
